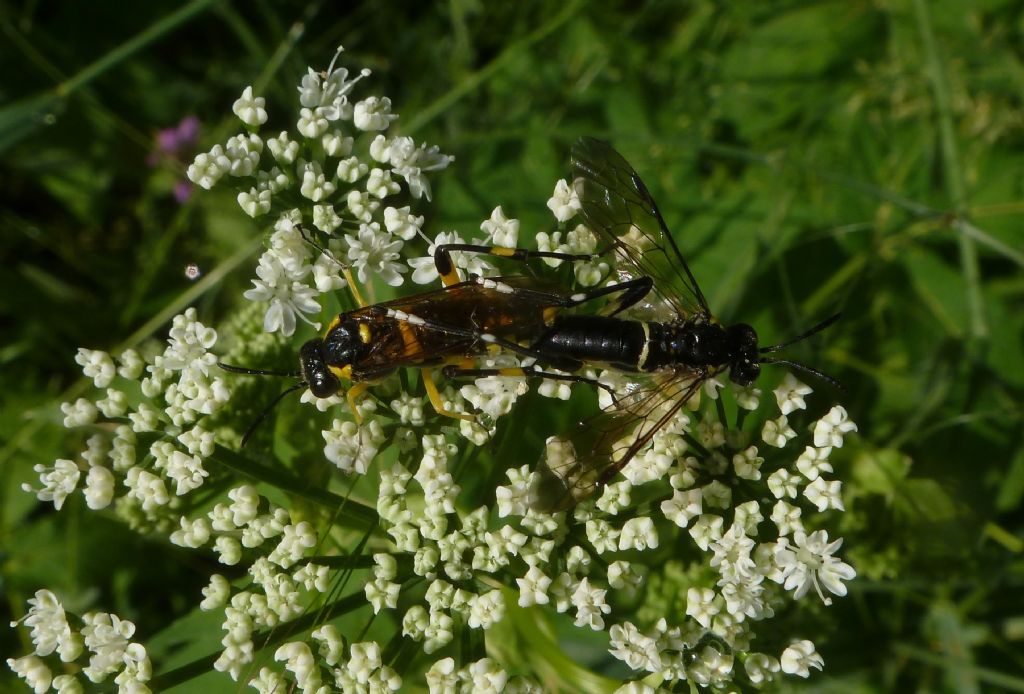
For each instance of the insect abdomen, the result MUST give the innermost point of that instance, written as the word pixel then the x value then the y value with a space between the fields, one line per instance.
pixel 595 339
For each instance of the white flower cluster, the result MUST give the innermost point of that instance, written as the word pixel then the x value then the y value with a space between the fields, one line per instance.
pixel 179 391
pixel 104 637
pixel 340 171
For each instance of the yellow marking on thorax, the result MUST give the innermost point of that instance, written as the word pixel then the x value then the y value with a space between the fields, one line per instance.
pixel 365 334
pixel 550 313
pixel 335 322
pixel 343 372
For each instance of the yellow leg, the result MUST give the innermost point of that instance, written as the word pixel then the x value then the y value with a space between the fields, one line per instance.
pixel 435 399
pixel 353 395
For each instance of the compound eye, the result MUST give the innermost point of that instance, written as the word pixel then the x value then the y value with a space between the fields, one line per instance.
pixel 323 384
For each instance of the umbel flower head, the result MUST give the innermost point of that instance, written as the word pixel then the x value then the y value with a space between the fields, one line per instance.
pixel 404 539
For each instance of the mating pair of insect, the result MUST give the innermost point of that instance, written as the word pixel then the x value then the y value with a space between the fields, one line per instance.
pixel 453 327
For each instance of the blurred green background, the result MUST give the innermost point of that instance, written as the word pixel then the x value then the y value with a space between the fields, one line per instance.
pixel 810 156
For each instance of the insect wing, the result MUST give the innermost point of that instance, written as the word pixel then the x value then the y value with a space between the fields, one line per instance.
pixel 616 204
pixel 452 319
pixel 587 457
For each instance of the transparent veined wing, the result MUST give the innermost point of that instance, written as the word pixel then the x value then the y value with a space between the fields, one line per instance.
pixel 616 205
pixel 581 461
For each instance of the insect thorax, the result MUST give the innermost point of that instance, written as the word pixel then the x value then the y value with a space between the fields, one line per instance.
pixel 704 345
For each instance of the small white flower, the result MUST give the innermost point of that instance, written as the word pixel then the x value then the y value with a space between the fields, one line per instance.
pixel 381 593
pixel 701 604
pixel 351 169
pixel 533 588
pixel 486 610
pixel 747 397
pixel 352 447
pixel 777 432
pixel 684 505
pixel 130 364
pixel 486 677
pixel 288 298
pixel 148 488
pixel 830 429
pixel 799 657
pixel 250 109
pixel 336 144
pixel 402 223
pixel 622 574
pixel 208 167
pixel 602 536
pixel 513 500
pixel 96 365
pixel 78 413
pixel 810 564
pixel 615 497
pixel 380 185
pixel 590 605
pixel 33 670
pixel 373 113
pixel 58 482
pixel 295 540
pixel 49 626
pixel 312 123
pixel 228 549
pixel 824 494
pixel 638 533
pixel 787 518
pixel 783 483
pixel 633 648
pixel 710 431
pixel 790 394
pixel 732 555
pixel 99 487
pixel 375 251
pixel 442 677
pixel 315 185
pixel 330 93
pixel 254 202
pixel 813 462
pixel 564 203
pixel 495 395
pixel 438 633
pixel 412 163
pixel 500 229
pixel 761 668
pixel 748 464
pixel 243 154
pixel 706 529
pixel 284 149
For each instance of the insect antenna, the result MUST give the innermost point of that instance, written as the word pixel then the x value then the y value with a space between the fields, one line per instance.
pixel 263 372
pixel 809 369
pixel 267 410
pixel 258 372
pixel 802 336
